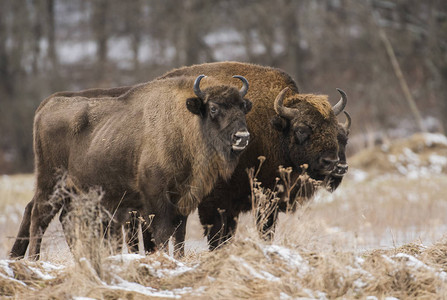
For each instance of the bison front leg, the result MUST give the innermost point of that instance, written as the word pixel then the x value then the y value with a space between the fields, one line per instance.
pixel 22 240
pixel 163 225
pixel 131 228
pixel 266 224
pixel 219 224
pixel 148 241
pixel 179 236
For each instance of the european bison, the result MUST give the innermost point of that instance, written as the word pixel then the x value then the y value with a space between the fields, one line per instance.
pixel 157 148
pixel 288 128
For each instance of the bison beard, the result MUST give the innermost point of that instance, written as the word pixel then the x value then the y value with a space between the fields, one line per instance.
pixel 156 148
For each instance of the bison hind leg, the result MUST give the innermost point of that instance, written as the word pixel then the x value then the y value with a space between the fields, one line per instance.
pixel 43 211
pixel 22 240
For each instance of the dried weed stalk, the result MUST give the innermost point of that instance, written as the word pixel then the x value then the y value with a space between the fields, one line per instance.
pixel 86 224
pixel 288 193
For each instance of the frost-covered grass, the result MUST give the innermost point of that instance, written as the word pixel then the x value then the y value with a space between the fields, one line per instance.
pixel 381 235
pixel 245 269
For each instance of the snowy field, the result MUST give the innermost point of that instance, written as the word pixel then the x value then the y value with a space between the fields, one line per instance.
pixel 381 235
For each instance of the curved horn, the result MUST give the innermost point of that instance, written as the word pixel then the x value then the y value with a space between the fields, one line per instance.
pixel 338 108
pixel 243 91
pixel 197 90
pixel 280 109
pixel 347 123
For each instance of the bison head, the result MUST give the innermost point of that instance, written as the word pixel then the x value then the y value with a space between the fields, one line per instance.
pixel 335 178
pixel 309 132
pixel 222 111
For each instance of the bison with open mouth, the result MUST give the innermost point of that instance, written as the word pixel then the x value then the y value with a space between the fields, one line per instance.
pixel 157 148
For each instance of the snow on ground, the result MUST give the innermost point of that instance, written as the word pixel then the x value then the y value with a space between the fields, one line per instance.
pixel 268 264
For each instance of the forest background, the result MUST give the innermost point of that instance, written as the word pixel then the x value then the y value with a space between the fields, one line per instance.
pixel 390 57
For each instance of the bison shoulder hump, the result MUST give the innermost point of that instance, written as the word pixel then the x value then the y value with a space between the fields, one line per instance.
pixel 80 120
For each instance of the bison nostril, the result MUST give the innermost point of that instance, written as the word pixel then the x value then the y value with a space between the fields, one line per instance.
pixel 342 168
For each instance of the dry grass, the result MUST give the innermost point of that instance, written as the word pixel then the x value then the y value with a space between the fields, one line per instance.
pixel 380 236
pixel 248 269
pixel 15 192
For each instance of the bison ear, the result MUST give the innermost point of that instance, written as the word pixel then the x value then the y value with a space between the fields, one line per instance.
pixel 280 123
pixel 247 105
pixel 194 105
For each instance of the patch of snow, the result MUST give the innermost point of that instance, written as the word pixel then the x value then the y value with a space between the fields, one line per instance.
pixel 4 264
pixel 263 275
pixel 359 284
pixel 409 164
pixel 392 158
pixel 315 294
pixel 284 296
pixel 154 268
pixel 288 256
pixel 442 275
pixel 48 267
pixel 438 159
pixel 41 275
pixel 12 279
pixel 410 156
pixel 412 261
pixel 434 138
pixel 388 259
pixel 334 229
pixel 323 196
pixel 125 258
pixel 141 289
pixel 358 175
pixel 359 260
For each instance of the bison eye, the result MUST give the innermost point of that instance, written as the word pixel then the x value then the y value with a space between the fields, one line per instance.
pixel 302 133
pixel 214 110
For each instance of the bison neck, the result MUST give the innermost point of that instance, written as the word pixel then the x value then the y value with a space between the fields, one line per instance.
pixel 208 165
pixel 177 162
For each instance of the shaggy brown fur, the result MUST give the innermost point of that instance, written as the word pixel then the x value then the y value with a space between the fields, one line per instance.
pixel 155 149
pixel 225 203
pixel 279 139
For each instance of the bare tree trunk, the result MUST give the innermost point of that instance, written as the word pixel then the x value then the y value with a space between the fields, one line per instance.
pixel 37 35
pixel 193 44
pixel 291 30
pixel 133 20
pixel 191 39
pixel 99 23
pixel 51 32
pixel 397 70
pixel 6 84
pixel 19 36
pixel 436 60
